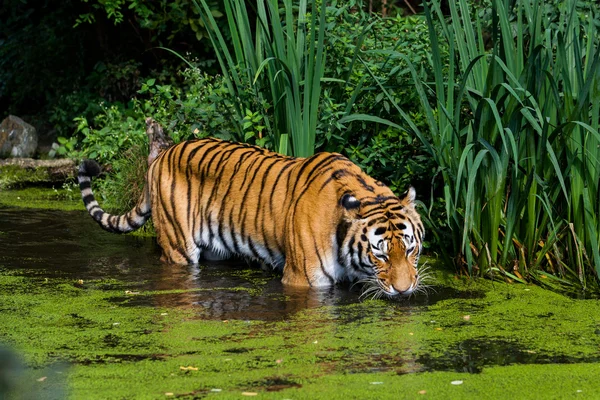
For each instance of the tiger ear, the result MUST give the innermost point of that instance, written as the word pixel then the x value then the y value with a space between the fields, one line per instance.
pixel 408 197
pixel 349 202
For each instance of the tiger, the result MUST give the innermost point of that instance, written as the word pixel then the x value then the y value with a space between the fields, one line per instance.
pixel 320 219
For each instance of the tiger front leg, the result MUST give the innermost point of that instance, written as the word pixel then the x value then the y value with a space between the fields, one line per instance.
pixel 308 268
pixel 310 261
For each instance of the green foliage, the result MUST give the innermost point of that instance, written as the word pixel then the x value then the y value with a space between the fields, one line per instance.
pixel 165 18
pixel 124 184
pixel 54 68
pixel 116 129
pixel 516 141
pixel 392 155
pixel 281 62
pixel 116 133
pixel 376 54
pixel 200 107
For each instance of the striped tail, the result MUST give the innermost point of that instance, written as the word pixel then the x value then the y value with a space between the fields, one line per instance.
pixel 112 223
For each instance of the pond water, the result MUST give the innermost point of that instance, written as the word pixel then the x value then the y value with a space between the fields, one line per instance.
pixel 86 284
pixel 68 244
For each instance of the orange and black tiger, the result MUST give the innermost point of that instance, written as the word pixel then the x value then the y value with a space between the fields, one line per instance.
pixel 320 219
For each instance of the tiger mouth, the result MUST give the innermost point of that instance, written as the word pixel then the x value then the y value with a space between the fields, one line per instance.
pixel 375 288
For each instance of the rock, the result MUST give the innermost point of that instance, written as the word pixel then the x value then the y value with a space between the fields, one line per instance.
pixel 17 138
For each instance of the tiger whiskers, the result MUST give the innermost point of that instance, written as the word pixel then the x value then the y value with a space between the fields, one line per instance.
pixel 371 288
pixel 425 275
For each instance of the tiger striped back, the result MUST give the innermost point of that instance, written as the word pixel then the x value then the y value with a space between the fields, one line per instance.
pixel 320 219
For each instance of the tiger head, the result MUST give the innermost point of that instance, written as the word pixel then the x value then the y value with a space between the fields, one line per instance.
pixel 379 242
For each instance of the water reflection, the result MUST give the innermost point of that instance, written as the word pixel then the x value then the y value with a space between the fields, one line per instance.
pixel 236 290
pixel 70 245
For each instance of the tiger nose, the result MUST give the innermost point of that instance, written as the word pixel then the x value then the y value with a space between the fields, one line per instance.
pixel 407 291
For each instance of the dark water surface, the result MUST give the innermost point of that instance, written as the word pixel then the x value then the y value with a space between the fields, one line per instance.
pixel 69 244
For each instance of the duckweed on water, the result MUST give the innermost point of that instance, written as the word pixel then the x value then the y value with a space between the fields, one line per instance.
pixel 107 320
pixel 111 351
pixel 65 199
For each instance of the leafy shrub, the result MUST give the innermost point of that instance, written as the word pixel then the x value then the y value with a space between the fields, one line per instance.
pixel 364 59
pixel 200 107
pixel 111 132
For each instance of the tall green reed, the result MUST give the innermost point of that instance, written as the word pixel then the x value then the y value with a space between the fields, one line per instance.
pixel 514 131
pixel 282 58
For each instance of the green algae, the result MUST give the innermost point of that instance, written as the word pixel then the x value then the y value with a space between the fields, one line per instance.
pixel 372 349
pixel 117 335
pixel 66 198
pixel 12 176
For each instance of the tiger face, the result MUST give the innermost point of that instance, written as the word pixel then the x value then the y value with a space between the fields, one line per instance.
pixel 382 243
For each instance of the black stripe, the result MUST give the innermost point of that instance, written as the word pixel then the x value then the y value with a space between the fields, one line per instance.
pixel 206 153
pixel 236 245
pixel 328 160
pixel 253 250
pixel 331 280
pixel 279 175
pixel 378 200
pixel 249 186
pixel 88 199
pixel 180 235
pixel 130 222
pixel 363 183
pixel 377 220
pixel 97 215
pixel 188 221
pixel 110 224
pixel 380 231
pixel 85 185
pixel 161 200
pixel 397 208
pixel 337 174
pixel 255 158
pixel 260 209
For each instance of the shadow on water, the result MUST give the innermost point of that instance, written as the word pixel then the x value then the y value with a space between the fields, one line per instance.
pixel 472 355
pixel 69 245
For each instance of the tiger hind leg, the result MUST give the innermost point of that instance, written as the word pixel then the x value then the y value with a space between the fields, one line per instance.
pixel 176 252
pixel 179 255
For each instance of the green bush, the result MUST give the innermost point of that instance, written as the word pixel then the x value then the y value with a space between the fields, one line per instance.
pixel 115 130
pixel 377 53
pixel 199 108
